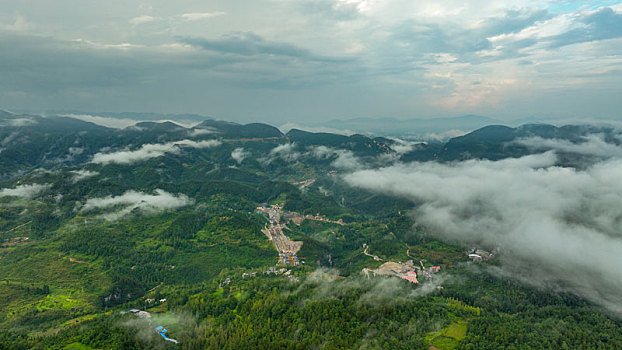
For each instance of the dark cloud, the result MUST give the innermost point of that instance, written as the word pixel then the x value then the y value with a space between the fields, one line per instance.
pixel 415 39
pixel 513 21
pixel 600 25
pixel 249 44
pixel 310 58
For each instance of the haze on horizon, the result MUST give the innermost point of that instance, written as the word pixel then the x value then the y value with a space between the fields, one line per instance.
pixel 290 61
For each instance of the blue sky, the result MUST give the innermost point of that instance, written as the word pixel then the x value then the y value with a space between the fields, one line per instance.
pixel 297 60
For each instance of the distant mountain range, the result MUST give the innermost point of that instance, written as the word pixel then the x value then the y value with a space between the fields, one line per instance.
pixel 29 142
pixel 417 128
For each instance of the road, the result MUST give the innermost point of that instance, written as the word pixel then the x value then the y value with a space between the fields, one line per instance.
pixel 287 248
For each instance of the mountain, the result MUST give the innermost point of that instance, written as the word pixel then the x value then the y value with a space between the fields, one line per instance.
pixel 29 142
pixel 229 129
pixel 359 144
pixel 498 142
pixel 138 116
pixel 416 128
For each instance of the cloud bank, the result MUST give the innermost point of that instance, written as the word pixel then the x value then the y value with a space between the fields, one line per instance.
pixel 149 151
pixel 590 145
pixel 79 175
pixel 556 227
pixel 24 191
pixel 316 59
pixel 239 154
pixel 132 201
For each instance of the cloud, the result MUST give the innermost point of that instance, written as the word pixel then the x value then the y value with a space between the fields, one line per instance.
pixel 289 126
pixel 250 44
pixel 202 131
pixel 602 24
pixel 195 16
pixel 239 154
pixel 556 227
pixel 592 145
pixel 346 160
pixel 402 147
pixel 286 151
pixel 25 191
pixel 343 159
pixel 141 20
pixel 319 59
pixel 444 136
pixel 136 201
pixel 19 25
pixel 121 123
pixel 326 284
pixel 17 122
pixel 79 175
pixel 148 151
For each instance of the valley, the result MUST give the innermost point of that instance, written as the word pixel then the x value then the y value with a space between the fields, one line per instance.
pixel 218 233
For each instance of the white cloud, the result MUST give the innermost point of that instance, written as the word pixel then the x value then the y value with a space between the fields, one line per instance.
pixel 99 45
pixel 19 25
pixel 24 191
pixel 195 16
pixel 343 159
pixel 121 123
pixel 444 136
pixel 593 144
pixel 239 154
pixel 137 201
pixel 289 126
pixel 401 146
pixel 17 122
pixel 79 175
pixel 556 227
pixel 202 131
pixel 286 151
pixel 148 151
pixel 117 123
pixel 361 5
pixel 346 160
pixel 141 20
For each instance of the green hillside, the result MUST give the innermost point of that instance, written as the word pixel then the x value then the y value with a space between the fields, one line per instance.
pixel 176 233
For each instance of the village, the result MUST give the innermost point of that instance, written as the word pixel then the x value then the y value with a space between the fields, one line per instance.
pixel 478 254
pixel 286 248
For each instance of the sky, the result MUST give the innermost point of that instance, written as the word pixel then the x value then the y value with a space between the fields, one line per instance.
pixel 298 60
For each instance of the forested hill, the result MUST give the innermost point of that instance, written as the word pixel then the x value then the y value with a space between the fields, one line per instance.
pixel 32 142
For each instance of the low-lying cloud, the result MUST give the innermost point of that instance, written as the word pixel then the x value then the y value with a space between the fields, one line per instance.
pixel 132 201
pixel 79 175
pixel 556 227
pixel 327 284
pixel 286 151
pixel 590 145
pixel 285 128
pixel 24 191
pixel 149 151
pixel 239 154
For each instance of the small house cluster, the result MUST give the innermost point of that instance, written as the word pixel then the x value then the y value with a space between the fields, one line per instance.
pixel 407 271
pixel 477 254
pixel 288 257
